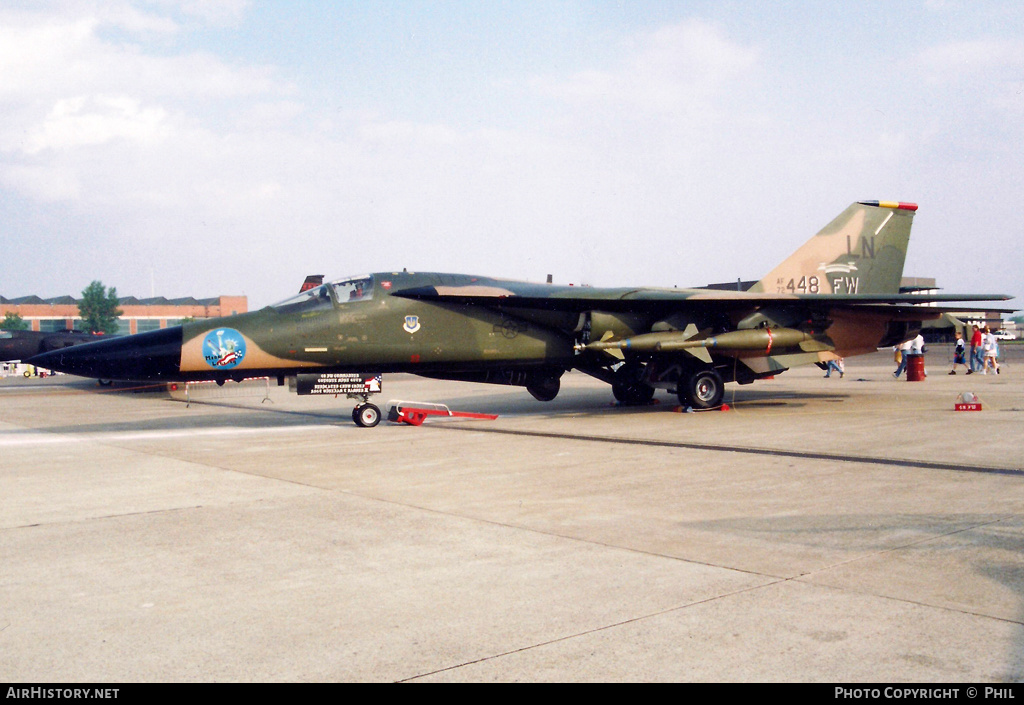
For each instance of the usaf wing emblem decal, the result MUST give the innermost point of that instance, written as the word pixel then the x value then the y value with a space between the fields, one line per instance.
pixel 412 324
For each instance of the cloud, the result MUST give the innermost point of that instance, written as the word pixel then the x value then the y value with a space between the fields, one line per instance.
pixel 61 58
pixel 182 150
pixel 964 60
pixel 674 68
pixel 974 98
pixel 88 121
pixel 64 85
pixel 667 162
pixel 214 12
pixel 34 58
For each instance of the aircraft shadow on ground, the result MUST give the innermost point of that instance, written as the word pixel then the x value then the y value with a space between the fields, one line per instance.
pixel 597 401
pixel 508 402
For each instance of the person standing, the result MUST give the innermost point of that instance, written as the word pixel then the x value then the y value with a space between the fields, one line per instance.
pixel 903 350
pixel 975 350
pixel 917 348
pixel 835 366
pixel 959 353
pixel 990 348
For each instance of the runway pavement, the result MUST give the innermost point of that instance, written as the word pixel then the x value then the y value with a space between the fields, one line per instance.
pixel 836 530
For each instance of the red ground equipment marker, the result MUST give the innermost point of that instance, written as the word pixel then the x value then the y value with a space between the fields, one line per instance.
pixel 968 401
pixel 415 413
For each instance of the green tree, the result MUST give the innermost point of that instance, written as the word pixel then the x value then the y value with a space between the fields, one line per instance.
pixel 13 321
pixel 98 309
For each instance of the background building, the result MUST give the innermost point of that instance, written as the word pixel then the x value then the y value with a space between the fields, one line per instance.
pixel 139 315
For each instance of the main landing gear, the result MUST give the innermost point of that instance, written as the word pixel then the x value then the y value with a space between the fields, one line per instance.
pixel 703 389
pixel 543 387
pixel 628 387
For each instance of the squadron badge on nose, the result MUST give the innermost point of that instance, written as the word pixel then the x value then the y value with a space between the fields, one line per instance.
pixel 412 324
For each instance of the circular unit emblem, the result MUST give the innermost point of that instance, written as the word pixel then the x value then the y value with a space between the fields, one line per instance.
pixel 223 348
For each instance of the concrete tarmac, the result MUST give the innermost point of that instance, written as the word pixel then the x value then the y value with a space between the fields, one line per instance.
pixel 823 530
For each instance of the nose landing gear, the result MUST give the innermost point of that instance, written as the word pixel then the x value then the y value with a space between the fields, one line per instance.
pixel 366 415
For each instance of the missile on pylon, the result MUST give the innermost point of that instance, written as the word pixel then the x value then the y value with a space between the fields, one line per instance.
pixel 646 342
pixel 753 339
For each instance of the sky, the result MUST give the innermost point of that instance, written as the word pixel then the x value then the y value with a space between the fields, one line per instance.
pixel 208 147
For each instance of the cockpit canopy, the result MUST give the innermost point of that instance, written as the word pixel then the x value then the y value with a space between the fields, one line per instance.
pixel 333 293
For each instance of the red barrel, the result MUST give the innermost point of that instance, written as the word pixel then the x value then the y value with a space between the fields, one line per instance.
pixel 915 368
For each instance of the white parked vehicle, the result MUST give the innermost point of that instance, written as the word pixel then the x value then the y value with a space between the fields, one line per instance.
pixel 17 368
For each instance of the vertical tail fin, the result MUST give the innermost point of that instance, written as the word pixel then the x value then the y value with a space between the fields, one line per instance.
pixel 860 252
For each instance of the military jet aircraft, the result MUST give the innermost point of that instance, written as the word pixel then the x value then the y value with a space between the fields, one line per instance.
pixel 837 295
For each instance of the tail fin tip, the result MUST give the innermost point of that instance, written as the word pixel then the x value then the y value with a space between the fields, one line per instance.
pixel 861 251
pixel 899 205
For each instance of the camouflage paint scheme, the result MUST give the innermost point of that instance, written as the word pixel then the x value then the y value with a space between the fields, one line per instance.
pixel 836 296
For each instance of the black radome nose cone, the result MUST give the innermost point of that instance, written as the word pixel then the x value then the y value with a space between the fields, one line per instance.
pixel 155 355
